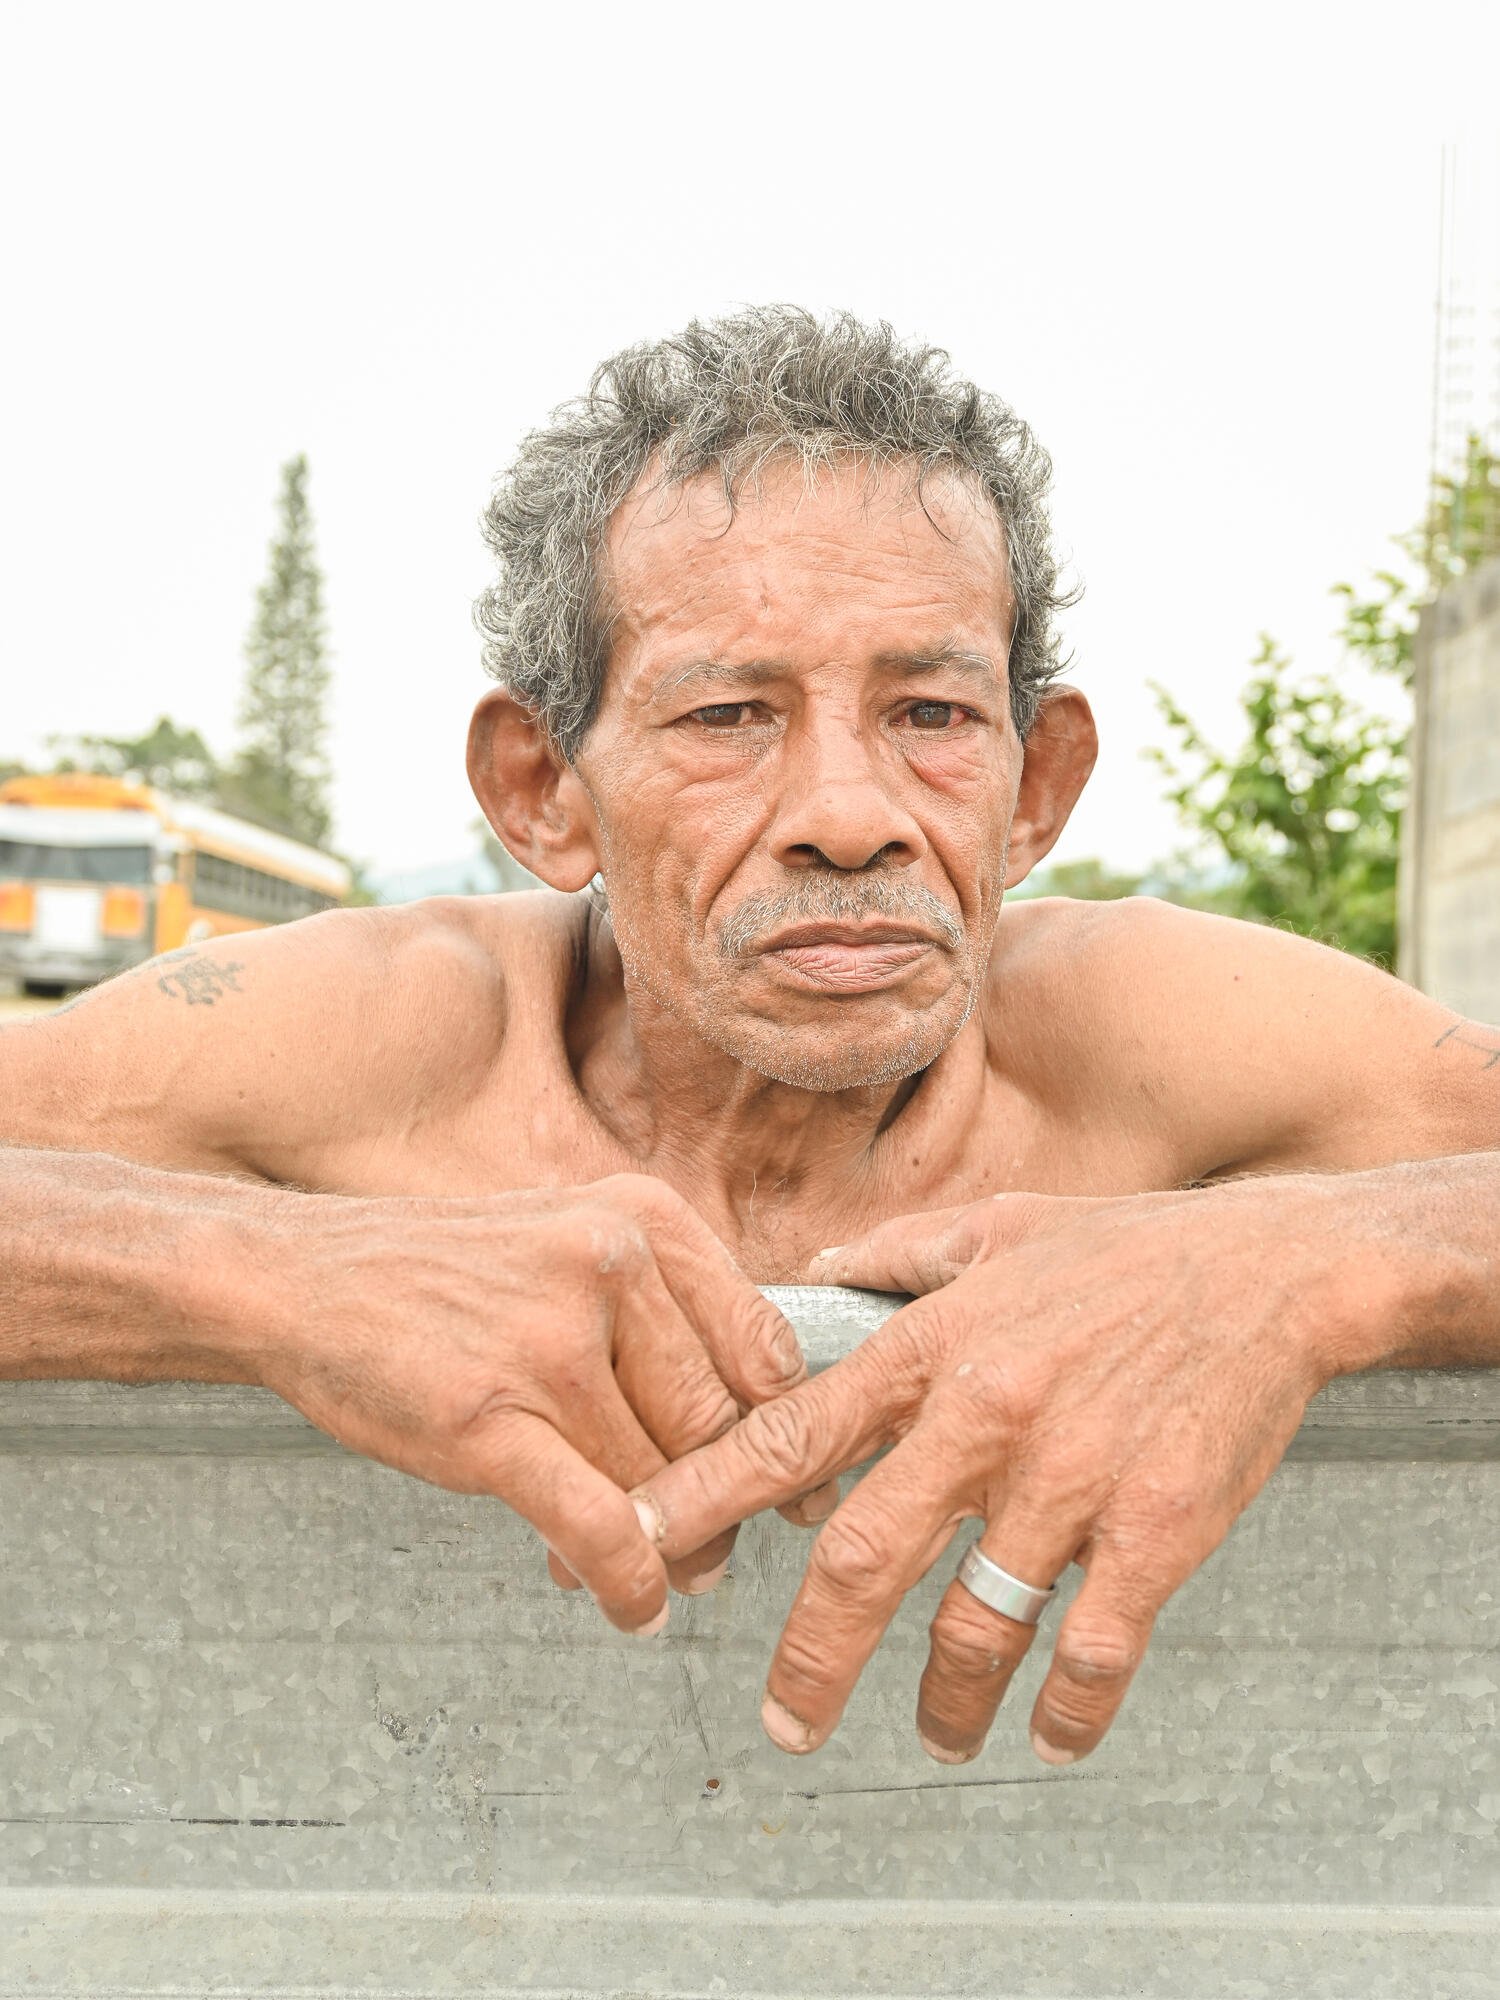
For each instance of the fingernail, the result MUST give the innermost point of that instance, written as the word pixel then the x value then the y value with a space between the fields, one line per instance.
pixel 837 1251
pixel 658 1624
pixel 818 1505
pixel 710 1579
pixel 945 1756
pixel 653 1527
pixel 786 1731
pixel 1049 1752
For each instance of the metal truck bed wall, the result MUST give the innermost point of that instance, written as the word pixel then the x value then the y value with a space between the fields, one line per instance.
pixel 276 1720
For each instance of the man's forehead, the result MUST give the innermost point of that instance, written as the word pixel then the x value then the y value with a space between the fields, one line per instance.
pixel 845 539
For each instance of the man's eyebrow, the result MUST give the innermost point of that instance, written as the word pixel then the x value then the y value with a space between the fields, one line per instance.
pixel 945 658
pixel 740 673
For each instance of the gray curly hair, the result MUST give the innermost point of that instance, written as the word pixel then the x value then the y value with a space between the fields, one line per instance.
pixel 725 397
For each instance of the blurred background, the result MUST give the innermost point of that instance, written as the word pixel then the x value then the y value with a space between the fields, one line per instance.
pixel 288 284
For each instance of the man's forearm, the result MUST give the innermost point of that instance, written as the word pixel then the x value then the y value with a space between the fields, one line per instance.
pixel 124 1273
pixel 1423 1281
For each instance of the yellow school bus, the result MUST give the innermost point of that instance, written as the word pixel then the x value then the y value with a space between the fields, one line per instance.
pixel 98 874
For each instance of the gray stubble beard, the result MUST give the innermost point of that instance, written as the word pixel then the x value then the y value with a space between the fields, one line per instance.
pixel 834 897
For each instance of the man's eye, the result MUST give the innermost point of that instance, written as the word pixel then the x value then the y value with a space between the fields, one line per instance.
pixel 722 714
pixel 935 715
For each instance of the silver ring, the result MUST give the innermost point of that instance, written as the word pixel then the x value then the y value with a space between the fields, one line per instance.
pixel 1001 1591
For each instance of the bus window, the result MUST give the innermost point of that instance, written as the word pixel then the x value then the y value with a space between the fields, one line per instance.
pixel 35 861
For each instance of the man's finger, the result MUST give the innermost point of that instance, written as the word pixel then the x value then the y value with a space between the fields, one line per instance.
pixel 1100 1644
pixel 885 1536
pixel 910 1253
pixel 974 1649
pixel 665 1372
pixel 749 1341
pixel 811 1510
pixel 607 1430
pixel 583 1517
pixel 691 1575
pixel 922 1253
pixel 590 1410
pixel 604 1421
pixel 780 1451
pixel 708 1378
pixel 669 1382
pixel 560 1574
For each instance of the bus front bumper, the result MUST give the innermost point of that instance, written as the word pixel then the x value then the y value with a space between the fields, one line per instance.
pixel 35 964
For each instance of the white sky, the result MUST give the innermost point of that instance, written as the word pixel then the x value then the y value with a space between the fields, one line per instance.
pixel 1194 247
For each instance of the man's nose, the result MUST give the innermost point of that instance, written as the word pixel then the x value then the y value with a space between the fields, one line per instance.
pixel 839 807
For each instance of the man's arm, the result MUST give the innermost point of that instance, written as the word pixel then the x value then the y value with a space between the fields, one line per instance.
pixel 1112 1381
pixel 282 1053
pixel 503 1345
pixel 117 1273
pixel 291 1056
pixel 1432 1230
pixel 1220 1048
pixel 1101 1381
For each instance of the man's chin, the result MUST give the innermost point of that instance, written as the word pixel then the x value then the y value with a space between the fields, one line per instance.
pixel 832 1059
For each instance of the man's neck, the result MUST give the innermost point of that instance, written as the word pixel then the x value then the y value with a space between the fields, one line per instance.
pixel 748 1145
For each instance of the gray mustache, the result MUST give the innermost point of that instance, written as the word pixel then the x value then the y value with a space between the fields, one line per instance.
pixel 836 899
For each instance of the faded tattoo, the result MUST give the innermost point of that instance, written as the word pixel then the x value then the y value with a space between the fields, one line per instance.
pixel 201 981
pixel 1489 1050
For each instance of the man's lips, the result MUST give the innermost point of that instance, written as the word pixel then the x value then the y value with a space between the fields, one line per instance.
pixel 880 931
pixel 848 958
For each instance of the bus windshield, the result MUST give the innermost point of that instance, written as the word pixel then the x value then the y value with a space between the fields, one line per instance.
pixel 34 861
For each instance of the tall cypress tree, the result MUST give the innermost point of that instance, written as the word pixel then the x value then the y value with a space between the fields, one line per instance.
pixel 282 775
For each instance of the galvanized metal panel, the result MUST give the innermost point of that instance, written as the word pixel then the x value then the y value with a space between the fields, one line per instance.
pixel 275 1719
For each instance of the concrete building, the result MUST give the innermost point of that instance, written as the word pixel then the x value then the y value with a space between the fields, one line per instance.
pixel 1450 890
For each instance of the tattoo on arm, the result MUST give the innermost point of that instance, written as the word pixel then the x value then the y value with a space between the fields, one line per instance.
pixel 200 981
pixel 1489 1050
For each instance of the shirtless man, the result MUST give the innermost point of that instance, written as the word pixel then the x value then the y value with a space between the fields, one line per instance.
pixel 482 1185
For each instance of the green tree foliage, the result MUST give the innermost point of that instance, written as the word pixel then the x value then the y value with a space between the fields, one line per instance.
pixel 172 759
pixel 281 776
pixel 1305 815
pixel 1089 880
pixel 1300 825
pixel 1461 531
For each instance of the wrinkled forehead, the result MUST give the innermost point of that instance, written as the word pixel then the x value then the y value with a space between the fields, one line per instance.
pixel 827 543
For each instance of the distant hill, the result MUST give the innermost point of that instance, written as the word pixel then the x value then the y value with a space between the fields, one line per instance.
pixel 473 875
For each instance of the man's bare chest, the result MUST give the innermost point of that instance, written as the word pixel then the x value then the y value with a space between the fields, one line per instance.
pixel 530 1127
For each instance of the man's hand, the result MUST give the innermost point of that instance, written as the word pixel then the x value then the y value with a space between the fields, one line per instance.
pixel 552 1349
pixel 1101 1381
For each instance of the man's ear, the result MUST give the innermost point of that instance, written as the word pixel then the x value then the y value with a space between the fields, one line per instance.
pixel 531 795
pixel 1060 753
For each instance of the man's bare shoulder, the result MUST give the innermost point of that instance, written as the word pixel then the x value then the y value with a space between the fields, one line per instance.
pixel 389 969
pixel 439 973
pixel 262 1050
pixel 1087 957
pixel 1084 955
pixel 1052 948
pixel 1077 988
pixel 1261 1049
pixel 517 934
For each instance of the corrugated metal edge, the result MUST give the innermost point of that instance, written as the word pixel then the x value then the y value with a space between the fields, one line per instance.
pixel 1436 1414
